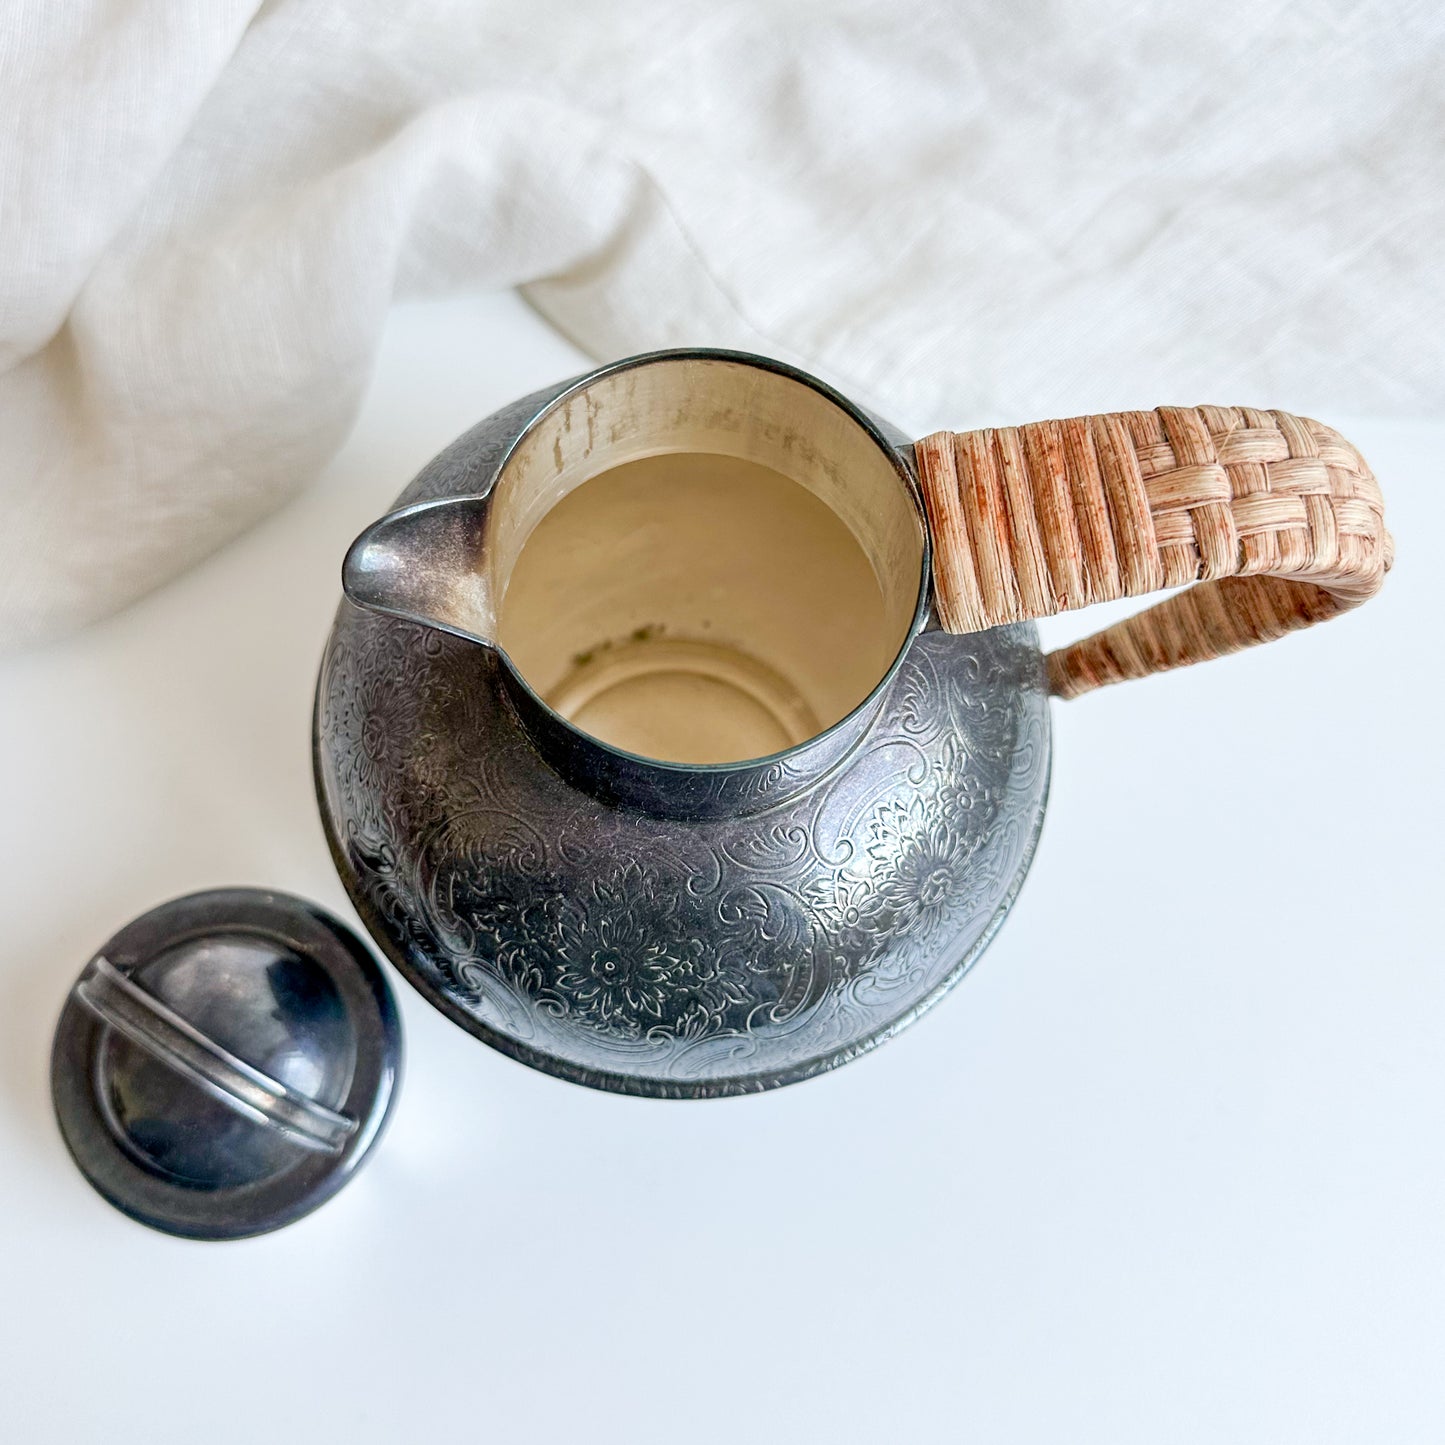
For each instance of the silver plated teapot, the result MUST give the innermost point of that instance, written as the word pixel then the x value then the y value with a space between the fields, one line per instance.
pixel 641 750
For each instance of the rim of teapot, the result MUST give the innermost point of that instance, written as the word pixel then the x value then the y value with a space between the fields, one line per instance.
pixel 456 526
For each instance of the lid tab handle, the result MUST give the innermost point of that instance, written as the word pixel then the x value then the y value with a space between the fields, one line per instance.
pixel 145 1020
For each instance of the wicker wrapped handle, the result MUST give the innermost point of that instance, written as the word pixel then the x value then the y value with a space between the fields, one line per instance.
pixel 1277 517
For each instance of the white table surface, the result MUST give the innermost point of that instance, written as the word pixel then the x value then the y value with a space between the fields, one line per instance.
pixel 1171 1172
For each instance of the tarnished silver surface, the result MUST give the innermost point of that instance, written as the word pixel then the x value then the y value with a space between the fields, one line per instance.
pixel 226 1063
pixel 656 929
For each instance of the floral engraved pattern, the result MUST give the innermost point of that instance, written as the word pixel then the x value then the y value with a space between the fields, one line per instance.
pixel 689 955
pixel 616 965
pixel 612 971
pixel 925 864
pixel 705 990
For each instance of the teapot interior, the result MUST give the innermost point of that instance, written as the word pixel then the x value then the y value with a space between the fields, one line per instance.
pixel 700 560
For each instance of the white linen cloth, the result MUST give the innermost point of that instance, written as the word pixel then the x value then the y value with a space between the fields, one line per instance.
pixel 958 213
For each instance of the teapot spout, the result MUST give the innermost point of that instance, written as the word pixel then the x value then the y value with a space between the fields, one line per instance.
pixel 424 564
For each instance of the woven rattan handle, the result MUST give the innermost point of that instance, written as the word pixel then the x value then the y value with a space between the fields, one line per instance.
pixel 1277 517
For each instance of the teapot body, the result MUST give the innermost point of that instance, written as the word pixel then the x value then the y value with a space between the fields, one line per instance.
pixel 691 933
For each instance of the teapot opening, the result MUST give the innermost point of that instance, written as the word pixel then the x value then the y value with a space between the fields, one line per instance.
pixel 702 560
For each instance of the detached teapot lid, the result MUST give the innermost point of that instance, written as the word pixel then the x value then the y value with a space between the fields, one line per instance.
pixel 225 1062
